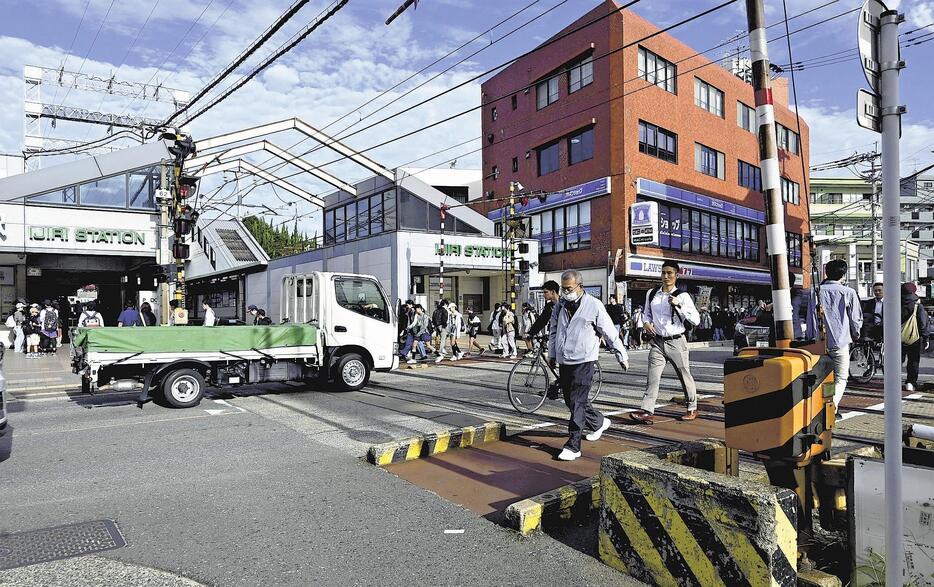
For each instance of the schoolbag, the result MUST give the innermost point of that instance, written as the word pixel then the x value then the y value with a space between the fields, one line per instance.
pixel 91 321
pixel 51 320
pixel 910 332
pixel 688 325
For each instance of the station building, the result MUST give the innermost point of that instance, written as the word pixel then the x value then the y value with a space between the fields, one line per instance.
pixel 90 222
pixel 391 229
pixel 600 120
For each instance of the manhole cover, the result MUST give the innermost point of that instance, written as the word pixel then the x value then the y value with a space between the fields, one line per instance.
pixel 50 544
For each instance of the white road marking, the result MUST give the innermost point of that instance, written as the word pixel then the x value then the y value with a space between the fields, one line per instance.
pixel 853 414
pixel 121 424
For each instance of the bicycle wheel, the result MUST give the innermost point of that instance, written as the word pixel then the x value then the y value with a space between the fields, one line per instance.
pixel 862 364
pixel 528 384
pixel 597 383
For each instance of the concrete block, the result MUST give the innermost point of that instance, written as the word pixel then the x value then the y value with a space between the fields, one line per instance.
pixel 815 578
pixel 571 502
pixel 399 451
pixel 669 524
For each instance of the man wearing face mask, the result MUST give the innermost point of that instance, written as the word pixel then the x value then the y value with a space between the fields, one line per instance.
pixel 577 324
pixel 667 309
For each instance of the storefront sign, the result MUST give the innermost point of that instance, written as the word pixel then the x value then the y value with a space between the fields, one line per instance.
pixel 468 251
pixel 644 223
pixel 577 193
pixel 34 272
pixel 6 275
pixel 654 189
pixel 644 267
pixel 85 235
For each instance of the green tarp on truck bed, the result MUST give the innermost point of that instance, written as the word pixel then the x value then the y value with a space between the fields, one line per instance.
pixel 165 339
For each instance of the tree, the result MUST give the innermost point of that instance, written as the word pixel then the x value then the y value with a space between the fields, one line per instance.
pixel 278 241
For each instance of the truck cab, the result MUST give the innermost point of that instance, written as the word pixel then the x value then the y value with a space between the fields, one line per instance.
pixel 355 322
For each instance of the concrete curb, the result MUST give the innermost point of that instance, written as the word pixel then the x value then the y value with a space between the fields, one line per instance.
pixel 569 502
pixel 400 451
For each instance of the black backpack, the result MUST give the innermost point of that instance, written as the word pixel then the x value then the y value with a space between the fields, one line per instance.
pixel 440 317
pixel 688 325
pixel 51 320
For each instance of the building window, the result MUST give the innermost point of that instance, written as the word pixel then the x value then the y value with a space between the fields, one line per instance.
pixel 495 173
pixel 658 142
pixel 63 196
pixel 580 146
pixel 695 231
pixel 746 117
pixel 493 114
pixel 563 229
pixel 109 192
pixel 143 184
pixel 515 164
pixel 546 92
pixel 658 71
pixel 580 74
pixel 788 140
pixel 749 175
pixel 709 161
pixel 708 97
pixel 515 101
pixel 548 159
pixel 793 242
pixel 790 193
pixel 916 215
pixel 916 234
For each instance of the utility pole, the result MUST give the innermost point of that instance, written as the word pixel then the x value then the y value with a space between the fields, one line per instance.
pixel 771 186
pixel 875 221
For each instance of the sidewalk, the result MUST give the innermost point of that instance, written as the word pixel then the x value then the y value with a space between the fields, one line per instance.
pixel 50 373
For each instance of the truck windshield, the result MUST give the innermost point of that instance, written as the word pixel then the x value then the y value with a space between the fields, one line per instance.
pixel 361 296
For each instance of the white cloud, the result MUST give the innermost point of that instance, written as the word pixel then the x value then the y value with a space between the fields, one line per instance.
pixel 921 14
pixel 835 135
pixel 280 78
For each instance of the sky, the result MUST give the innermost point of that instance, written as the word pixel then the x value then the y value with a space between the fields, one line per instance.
pixel 353 58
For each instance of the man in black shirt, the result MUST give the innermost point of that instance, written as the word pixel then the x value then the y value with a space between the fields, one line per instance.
pixel 550 290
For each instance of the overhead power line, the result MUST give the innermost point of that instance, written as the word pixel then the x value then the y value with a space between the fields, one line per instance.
pixel 284 18
pixel 517 90
pixel 335 8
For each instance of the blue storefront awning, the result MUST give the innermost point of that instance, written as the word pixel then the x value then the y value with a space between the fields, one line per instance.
pixel 660 191
pixel 578 193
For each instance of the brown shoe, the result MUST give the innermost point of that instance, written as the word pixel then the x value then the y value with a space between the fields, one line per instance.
pixel 642 417
pixel 690 415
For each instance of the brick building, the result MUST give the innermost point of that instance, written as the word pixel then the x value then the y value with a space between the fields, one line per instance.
pixel 601 120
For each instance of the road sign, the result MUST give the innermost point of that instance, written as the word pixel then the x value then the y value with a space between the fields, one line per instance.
pixel 644 223
pixel 867 39
pixel 867 111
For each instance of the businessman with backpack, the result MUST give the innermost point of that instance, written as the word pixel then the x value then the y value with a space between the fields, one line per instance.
pixel 670 315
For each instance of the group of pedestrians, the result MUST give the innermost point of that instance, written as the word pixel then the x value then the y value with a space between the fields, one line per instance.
pixel 37 329
pixel 446 325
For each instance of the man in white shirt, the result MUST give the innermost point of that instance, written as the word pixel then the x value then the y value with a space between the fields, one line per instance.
pixel 666 310
pixel 577 324
pixel 209 318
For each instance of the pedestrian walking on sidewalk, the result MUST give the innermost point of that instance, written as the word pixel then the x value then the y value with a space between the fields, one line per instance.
pixel 473 329
pixel 528 320
pixel 147 316
pixel 577 324
pixel 418 334
pixel 550 291
pixel 19 317
pixel 210 318
pixel 916 328
pixel 638 327
pixel 439 320
pixel 668 313
pixel 48 318
pixel 90 317
pixel 495 327
pixel 32 329
pixel 509 333
pixel 455 326
pixel 843 321
pixel 129 316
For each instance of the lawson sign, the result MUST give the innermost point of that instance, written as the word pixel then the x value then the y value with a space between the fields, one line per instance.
pixel 577 193
pixel 643 220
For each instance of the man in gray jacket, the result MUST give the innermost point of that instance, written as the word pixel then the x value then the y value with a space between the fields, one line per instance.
pixel 577 324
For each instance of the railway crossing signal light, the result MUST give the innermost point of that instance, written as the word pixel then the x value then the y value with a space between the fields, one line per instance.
pixel 181 250
pixel 187 186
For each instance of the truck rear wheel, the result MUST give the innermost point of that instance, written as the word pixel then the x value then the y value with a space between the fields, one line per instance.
pixel 352 372
pixel 183 388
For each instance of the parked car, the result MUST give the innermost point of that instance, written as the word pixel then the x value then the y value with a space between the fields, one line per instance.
pixel 754 328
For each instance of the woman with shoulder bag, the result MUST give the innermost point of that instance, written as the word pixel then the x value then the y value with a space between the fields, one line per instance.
pixel 916 328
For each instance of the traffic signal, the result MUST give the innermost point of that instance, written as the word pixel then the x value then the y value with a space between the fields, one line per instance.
pixel 523 266
pixel 187 186
pixel 523 248
pixel 184 221
pixel 180 250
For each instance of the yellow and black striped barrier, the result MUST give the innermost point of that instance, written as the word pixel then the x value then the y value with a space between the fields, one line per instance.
pixel 574 501
pixel 669 524
pixel 434 443
pixel 778 403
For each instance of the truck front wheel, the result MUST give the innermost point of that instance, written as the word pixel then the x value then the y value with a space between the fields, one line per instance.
pixel 183 388
pixel 352 372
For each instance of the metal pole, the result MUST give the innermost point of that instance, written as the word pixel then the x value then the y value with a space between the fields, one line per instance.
pixel 771 177
pixel 443 252
pixel 161 260
pixel 891 245
pixel 875 227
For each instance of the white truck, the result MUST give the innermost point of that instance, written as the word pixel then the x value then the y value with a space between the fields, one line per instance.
pixel 333 327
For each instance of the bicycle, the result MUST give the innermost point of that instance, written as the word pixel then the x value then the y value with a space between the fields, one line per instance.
pixel 866 359
pixel 532 380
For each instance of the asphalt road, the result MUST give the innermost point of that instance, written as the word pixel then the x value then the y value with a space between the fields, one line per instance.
pixel 268 487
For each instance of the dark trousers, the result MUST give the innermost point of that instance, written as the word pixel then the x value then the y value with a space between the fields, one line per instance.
pixel 575 381
pixel 410 341
pixel 912 352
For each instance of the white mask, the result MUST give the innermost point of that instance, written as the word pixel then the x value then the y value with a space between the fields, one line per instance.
pixel 572 296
